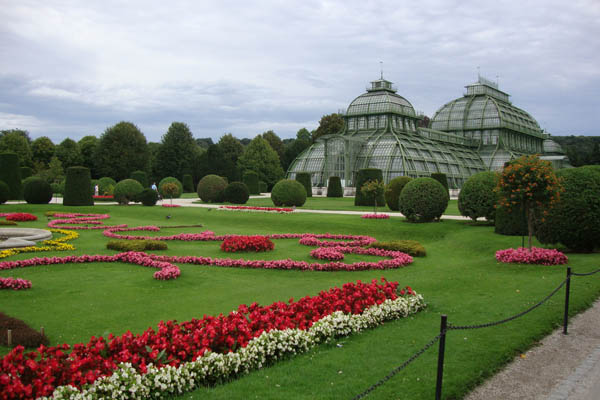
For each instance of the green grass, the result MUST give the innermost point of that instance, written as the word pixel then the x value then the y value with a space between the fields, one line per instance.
pixel 459 277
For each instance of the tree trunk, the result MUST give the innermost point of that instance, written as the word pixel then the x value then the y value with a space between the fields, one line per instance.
pixel 530 213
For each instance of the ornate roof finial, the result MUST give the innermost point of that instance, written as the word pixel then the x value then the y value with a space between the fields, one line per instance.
pixel 381 66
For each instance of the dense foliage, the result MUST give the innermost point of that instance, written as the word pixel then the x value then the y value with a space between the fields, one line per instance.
pixel 4 192
pixel 510 222
pixel 42 150
pixel 37 191
pixel 334 187
pixel 329 125
pixel 362 176
pixel 305 179
pixel 174 194
pixel 423 200
pixel 441 178
pixel 10 173
pixel 127 190
pixel 236 193
pixel 17 141
pixel 477 197
pixel 188 183
pixel 393 189
pixel 373 190
pixel 26 172
pixel 87 148
pixel 211 189
pixel 148 197
pixel 288 193
pixel 68 153
pixel 141 177
pixel 78 187
pixel 276 144
pixel 250 178
pixel 106 186
pixel 177 152
pixel 259 157
pixel 581 150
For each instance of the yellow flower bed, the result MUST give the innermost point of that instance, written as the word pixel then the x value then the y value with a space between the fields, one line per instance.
pixel 47 245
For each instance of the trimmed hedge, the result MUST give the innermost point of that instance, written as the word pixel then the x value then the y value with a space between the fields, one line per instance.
pixel 78 187
pixel 288 193
pixel 334 187
pixel 211 189
pixel 250 178
pixel 37 191
pixel 26 172
pixel 4 192
pixel 188 183
pixel 141 177
pixel 263 187
pixel 393 190
pixel 362 176
pixel 148 197
pixel 127 190
pixel 236 193
pixel 106 186
pixel 136 245
pixel 423 200
pixel 411 247
pixel 511 223
pixel 477 197
pixel 304 179
pixel 170 179
pixel 10 173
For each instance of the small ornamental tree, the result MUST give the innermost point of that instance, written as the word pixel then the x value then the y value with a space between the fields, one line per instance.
pixel 372 190
pixel 529 184
pixel 170 190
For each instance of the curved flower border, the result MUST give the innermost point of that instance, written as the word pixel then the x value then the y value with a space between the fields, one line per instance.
pixel 77 220
pixel 249 208
pixel 14 283
pixel 535 255
pixel 375 216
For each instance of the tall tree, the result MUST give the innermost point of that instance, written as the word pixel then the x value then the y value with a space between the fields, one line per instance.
pixel 21 132
pixel 303 134
pixel 87 146
pixel 329 125
pixel 231 146
pixel 42 150
pixel 68 153
pixel 177 151
pixel 204 142
pixel 292 150
pixel 276 143
pixel 214 161
pixel 16 141
pixel 260 157
pixel 121 150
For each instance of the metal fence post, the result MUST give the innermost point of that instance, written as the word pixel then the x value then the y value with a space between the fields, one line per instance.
pixel 442 348
pixel 567 290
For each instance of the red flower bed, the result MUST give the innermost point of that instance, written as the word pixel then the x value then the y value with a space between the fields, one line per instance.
pixel 103 197
pixel 19 217
pixel 37 373
pixel 233 244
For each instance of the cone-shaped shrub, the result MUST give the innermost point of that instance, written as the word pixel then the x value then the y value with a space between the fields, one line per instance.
pixel 477 197
pixel 236 193
pixel 141 177
pixel 250 178
pixel 127 190
pixel 334 187
pixel 304 179
pixel 393 189
pixel 78 187
pixel 4 192
pixel 423 200
pixel 188 183
pixel 37 191
pixel 362 176
pixel 170 179
pixel 10 173
pixel 288 193
pixel 211 189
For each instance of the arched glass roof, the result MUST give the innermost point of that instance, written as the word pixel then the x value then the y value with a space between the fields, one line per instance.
pixel 375 102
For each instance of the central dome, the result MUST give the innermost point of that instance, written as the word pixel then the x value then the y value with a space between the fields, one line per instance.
pixel 380 98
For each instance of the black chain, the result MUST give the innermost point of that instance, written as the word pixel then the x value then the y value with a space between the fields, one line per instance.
pixel 451 327
pixel 399 368
pixel 587 274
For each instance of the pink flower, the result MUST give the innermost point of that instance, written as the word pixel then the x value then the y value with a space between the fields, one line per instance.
pixel 535 255
pixel 375 216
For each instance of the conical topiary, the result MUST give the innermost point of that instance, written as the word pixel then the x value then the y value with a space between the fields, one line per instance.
pixel 10 173
pixel 78 187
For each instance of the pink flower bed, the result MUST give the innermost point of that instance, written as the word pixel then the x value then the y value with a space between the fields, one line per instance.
pixel 248 208
pixel 76 221
pixel 375 216
pixel 535 255
pixel 257 243
pixel 327 253
pixel 19 217
pixel 354 240
pixel 14 283
pixel 171 205
pixel 38 373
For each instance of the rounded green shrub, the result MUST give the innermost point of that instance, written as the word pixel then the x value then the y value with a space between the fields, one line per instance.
pixel 106 186
pixel 37 191
pixel 148 197
pixel 305 180
pixel 188 183
pixel 288 193
pixel 575 219
pixel 510 222
pixel 236 193
pixel 10 173
pixel 4 192
pixel 423 200
pixel 362 177
pixel 334 187
pixel 170 179
pixel 26 172
pixel 127 190
pixel 211 189
pixel 78 187
pixel 141 177
pixel 263 187
pixel 250 178
pixel 393 189
pixel 477 197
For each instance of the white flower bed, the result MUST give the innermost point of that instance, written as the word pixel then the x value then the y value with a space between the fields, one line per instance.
pixel 127 383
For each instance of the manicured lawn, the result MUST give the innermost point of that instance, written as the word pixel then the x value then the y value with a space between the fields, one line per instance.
pixel 459 277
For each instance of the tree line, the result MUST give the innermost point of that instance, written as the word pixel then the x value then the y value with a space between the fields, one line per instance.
pixel 581 150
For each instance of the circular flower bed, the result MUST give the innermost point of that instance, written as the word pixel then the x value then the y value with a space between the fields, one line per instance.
pixel 375 216
pixel 327 253
pixel 233 244
pixel 535 255
pixel 19 217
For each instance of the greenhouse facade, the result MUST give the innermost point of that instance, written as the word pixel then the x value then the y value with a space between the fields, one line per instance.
pixel 477 132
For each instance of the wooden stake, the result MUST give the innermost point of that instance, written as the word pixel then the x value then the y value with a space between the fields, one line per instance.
pixel 9 338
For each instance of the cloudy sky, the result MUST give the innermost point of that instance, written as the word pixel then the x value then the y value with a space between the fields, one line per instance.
pixel 74 68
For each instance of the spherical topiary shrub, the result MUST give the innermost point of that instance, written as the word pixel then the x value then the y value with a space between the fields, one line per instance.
pixel 393 189
pixel 10 173
pixel 4 192
pixel 510 222
pixel 78 187
pixel 127 190
pixel 362 176
pixel 170 179
pixel 250 178
pixel 334 187
pixel 441 178
pixel 288 193
pixel 37 191
pixel 188 183
pixel 106 186
pixel 211 189
pixel 148 197
pixel 236 193
pixel 263 187
pixel 26 172
pixel 575 219
pixel 423 200
pixel 477 197
pixel 304 179
pixel 141 177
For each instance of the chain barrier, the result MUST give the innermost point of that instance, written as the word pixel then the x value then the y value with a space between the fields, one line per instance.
pixel 586 274
pixel 399 368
